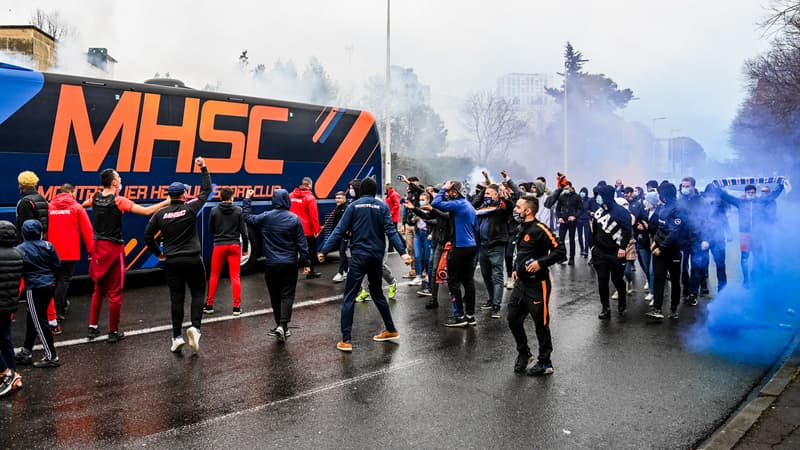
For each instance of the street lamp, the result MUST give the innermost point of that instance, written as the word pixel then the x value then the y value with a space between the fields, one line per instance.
pixel 387 141
pixel 566 76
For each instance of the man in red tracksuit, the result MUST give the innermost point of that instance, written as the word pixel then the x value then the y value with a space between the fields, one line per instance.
pixel 304 205
pixel 107 269
pixel 228 227
pixel 72 224
pixel 393 202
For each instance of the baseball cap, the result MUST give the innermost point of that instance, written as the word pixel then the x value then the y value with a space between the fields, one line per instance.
pixel 177 188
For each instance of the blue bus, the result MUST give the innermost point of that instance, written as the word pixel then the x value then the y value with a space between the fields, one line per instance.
pixel 67 129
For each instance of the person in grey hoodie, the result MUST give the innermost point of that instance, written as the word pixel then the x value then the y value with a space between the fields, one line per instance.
pixel 40 262
pixel 283 239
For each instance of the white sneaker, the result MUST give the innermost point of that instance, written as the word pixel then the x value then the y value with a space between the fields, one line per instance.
pixel 615 295
pixel 177 344
pixel 417 281
pixel 646 286
pixel 509 283
pixel 630 287
pixel 648 297
pixel 338 278
pixel 194 338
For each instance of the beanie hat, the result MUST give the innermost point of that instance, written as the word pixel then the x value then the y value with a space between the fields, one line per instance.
pixel 27 178
pixel 652 198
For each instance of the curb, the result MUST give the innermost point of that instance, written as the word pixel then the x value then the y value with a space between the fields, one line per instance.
pixel 741 421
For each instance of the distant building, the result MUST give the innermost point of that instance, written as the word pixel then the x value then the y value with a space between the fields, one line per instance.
pixel 99 58
pixel 527 92
pixel 30 41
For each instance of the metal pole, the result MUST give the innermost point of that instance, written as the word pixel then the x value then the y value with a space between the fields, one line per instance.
pixel 387 137
pixel 566 76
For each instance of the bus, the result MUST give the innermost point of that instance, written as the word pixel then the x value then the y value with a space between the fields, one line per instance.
pixel 67 129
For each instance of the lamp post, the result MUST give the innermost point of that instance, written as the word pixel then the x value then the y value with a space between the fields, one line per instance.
pixel 566 76
pixel 387 138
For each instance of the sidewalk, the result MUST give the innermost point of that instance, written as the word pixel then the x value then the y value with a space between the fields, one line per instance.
pixel 771 418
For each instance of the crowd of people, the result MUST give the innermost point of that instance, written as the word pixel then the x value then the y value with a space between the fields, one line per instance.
pixel 513 230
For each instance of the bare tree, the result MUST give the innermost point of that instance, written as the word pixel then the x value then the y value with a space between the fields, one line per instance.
pixel 494 123
pixel 51 23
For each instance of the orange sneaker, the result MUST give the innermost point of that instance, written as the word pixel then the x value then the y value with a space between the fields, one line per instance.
pixel 344 346
pixel 17 383
pixel 386 336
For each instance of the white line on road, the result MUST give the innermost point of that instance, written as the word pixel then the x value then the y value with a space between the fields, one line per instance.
pixel 204 423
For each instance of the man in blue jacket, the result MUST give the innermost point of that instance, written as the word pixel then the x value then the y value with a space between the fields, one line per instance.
pixel 368 220
pixel 461 258
pixel 283 239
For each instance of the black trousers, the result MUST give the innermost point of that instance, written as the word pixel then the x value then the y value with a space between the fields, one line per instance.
pixel 461 271
pixel 38 299
pixel 312 250
pixel 185 271
pixel 609 266
pixel 667 261
pixel 531 297
pixel 63 278
pixel 562 232
pixel 281 284
pixel 584 236
pixel 437 256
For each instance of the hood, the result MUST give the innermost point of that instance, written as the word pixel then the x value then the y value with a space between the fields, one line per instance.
pixel 301 191
pixel 280 198
pixel 63 201
pixel 32 230
pixel 608 193
pixel 226 208
pixel 356 183
pixel 585 191
pixel 668 193
pixel 8 234
pixel 540 189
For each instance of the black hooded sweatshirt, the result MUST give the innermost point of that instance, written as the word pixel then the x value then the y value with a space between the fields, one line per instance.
pixel 227 224
pixel 611 225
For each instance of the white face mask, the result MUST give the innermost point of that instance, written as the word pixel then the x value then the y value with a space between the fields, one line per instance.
pixel 352 192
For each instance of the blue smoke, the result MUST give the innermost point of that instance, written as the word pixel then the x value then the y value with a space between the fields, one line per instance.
pixel 754 325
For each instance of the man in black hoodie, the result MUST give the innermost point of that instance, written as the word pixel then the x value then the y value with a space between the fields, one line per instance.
pixel 182 255
pixel 568 209
pixel 666 248
pixel 31 204
pixel 282 239
pixel 611 232
pixel 228 227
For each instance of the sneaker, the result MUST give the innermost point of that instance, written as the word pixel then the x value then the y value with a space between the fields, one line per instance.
pixel 425 293
pixel 417 281
pixel 471 321
pixel 655 314
pixel 621 313
pixel 691 300
pixel 571 262
pixel 539 369
pixel 487 306
pixel 652 302
pixel 55 330
pixel 177 344
pixel 237 311
pixel 194 338
pixel 705 292
pixel 115 336
pixel 208 309
pixel 495 313
pixel 273 332
pixel 646 286
pixel 364 296
pixel 648 297
pixel 673 314
pixel 386 336
pixel 410 275
pixel 24 357
pixel 344 346
pixel 630 287
pixel 522 362
pixel 509 283
pixel 313 275
pixel 338 278
pixel 17 383
pixel 432 304
pixel 615 296
pixel 604 314
pixel 457 322
pixel 93 333
pixel 280 333
pixel 393 291
pixel 45 363
pixel 6 383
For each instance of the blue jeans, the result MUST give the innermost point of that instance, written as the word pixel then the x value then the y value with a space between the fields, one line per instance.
pixel 718 252
pixel 364 266
pixel 491 261
pixel 645 258
pixel 422 251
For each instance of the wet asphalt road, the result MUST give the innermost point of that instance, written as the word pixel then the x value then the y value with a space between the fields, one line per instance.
pixel 618 384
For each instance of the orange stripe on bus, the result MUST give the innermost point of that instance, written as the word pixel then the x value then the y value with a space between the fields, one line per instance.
pixel 344 154
pixel 366 161
pixel 324 125
pixel 141 252
pixel 130 246
pixel 544 296
pixel 320 114
pixel 549 234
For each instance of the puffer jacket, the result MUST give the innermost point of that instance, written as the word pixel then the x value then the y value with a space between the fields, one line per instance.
pixel 31 205
pixel 39 257
pixel 10 268
pixel 282 235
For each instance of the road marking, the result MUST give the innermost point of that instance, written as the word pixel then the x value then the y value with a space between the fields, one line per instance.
pixel 162 328
pixel 204 423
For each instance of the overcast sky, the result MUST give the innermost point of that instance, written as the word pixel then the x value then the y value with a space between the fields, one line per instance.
pixel 681 58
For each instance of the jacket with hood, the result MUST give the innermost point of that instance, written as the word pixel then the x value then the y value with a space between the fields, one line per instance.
pixel 668 221
pixel 72 224
pixel 10 268
pixel 752 211
pixel 227 225
pixel 611 224
pixel 586 207
pixel 178 224
pixel 567 202
pixel 440 225
pixel 695 212
pixel 31 205
pixel 282 234
pixel 40 260
pixel 368 220
pixel 304 205
pixel 544 214
pixel 537 243
pixel 393 201
pixel 493 222
pixel 464 218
